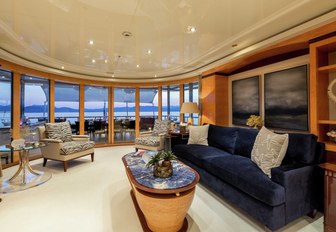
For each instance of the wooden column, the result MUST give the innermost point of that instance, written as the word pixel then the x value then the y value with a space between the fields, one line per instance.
pixel 181 101
pixel 111 114
pixel 137 112
pixel 16 114
pixel 81 109
pixel 215 100
pixel 160 102
pixel 51 101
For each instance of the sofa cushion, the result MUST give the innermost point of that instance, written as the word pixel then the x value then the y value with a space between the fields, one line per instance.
pixel 245 175
pixel 198 154
pixel 76 146
pixel 301 149
pixel 223 138
pixel 153 141
pixel 245 141
pixel 198 135
pixel 269 150
pixel 61 130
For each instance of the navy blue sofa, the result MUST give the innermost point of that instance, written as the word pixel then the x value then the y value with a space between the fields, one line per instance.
pixel 225 166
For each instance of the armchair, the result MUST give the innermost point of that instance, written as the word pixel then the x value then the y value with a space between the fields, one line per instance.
pixel 62 145
pixel 153 140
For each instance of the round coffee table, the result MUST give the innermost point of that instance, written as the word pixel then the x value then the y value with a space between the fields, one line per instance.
pixel 162 202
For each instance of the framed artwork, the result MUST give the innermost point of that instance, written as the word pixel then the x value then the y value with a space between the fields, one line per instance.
pixel 245 99
pixel 286 99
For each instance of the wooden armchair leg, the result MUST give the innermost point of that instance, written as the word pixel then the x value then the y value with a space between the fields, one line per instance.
pixel 92 157
pixel 65 165
pixel 44 161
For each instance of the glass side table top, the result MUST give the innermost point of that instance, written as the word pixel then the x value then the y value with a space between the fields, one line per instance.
pixel 25 177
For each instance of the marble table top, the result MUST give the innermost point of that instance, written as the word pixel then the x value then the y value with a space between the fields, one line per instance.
pixel 182 174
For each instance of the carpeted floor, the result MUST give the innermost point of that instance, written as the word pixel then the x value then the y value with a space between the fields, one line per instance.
pixel 94 197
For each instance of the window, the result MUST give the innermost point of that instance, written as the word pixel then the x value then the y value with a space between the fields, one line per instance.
pixel 35 101
pixel 96 113
pixel 191 95
pixel 171 103
pixel 67 104
pixel 124 114
pixel 148 108
pixel 5 112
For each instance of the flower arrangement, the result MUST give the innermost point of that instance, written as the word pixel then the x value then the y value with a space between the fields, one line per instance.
pixel 255 121
pixel 332 135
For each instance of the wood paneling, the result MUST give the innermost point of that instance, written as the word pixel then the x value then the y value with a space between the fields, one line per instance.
pixel 16 112
pixel 215 101
pixel 81 109
pixel 52 101
pixel 160 102
pixel 111 114
pixel 137 112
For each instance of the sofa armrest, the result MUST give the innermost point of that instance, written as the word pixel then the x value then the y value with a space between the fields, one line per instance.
pixel 51 141
pixel 303 189
pixel 80 137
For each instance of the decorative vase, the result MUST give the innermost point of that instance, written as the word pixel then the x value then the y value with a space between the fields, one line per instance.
pixel 163 169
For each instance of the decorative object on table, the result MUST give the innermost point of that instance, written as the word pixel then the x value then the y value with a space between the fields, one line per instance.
pixel 18 143
pixel 245 99
pixel 332 91
pixel 161 163
pixel 255 121
pixel 189 108
pixel 183 127
pixel 286 99
pixel 332 135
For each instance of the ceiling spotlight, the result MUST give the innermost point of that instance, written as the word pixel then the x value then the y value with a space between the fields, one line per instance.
pixel 105 61
pixel 155 75
pixel 191 29
pixel 138 66
pixel 127 34
pixel 112 75
pixel 149 51
pixel 91 42
pixel 93 61
pixel 62 67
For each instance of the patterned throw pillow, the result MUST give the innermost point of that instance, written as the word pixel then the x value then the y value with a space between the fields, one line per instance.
pixel 161 127
pixel 198 135
pixel 269 149
pixel 60 131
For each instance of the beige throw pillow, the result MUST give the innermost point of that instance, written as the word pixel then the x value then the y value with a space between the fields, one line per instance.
pixel 198 135
pixel 269 149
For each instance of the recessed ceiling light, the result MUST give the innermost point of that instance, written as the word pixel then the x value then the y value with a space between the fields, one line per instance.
pixel 149 51
pixel 127 34
pixel 155 75
pixel 105 61
pixel 91 42
pixel 93 61
pixel 191 29
pixel 138 66
pixel 112 75
pixel 62 67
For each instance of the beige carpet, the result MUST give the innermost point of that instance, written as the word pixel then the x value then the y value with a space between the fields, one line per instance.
pixel 95 197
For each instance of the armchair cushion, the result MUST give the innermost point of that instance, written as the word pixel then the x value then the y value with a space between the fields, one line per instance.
pixel 60 131
pixel 153 141
pixel 76 146
pixel 161 127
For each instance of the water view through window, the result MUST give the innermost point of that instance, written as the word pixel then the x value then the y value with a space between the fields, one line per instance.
pixel 148 108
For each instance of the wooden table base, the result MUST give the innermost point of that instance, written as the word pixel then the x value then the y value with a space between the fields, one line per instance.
pixel 142 218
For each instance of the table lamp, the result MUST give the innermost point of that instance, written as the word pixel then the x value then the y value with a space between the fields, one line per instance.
pixel 189 108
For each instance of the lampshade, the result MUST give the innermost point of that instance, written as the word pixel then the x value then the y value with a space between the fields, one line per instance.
pixel 189 108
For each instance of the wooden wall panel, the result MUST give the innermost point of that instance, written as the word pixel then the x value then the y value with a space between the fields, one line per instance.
pixel 52 101
pixel 16 114
pixel 81 109
pixel 215 101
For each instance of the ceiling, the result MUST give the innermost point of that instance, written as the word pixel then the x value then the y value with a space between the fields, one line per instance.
pixel 54 35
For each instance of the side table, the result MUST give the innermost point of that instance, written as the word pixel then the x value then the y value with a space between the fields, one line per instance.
pixel 329 196
pixel 178 137
pixel 25 177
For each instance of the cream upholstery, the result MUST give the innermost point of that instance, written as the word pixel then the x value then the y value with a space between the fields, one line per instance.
pixel 53 150
pixel 153 140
